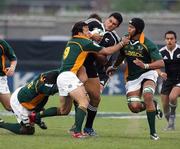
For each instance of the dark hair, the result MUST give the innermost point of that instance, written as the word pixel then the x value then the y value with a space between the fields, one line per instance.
pixel 138 23
pixel 117 16
pixel 78 27
pixel 96 16
pixel 170 32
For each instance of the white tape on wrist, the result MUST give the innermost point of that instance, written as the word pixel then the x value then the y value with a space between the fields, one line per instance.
pixel 146 66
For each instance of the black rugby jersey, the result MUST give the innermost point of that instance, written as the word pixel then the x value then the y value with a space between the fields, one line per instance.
pixel 172 62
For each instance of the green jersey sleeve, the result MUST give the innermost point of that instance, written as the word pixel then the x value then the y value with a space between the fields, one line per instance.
pixel 92 47
pixel 154 52
pixel 9 52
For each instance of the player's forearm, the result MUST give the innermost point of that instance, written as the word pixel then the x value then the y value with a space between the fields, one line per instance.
pixel 112 49
pixel 154 65
pixel 13 65
pixel 118 61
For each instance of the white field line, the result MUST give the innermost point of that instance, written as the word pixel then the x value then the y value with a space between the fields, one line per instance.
pixel 115 115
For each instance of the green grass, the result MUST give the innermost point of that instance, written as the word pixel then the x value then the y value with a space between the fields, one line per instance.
pixel 113 133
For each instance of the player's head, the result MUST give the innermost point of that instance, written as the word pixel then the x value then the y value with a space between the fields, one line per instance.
pixel 137 25
pixel 113 21
pixel 171 32
pixel 170 39
pixel 80 28
pixel 96 16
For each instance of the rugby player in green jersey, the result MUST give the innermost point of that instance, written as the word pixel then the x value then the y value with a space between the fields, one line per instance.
pixel 24 100
pixel 32 98
pixel 74 55
pixel 142 57
pixel 6 52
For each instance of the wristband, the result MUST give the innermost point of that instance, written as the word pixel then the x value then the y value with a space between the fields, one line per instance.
pixel 146 66
pixel 122 44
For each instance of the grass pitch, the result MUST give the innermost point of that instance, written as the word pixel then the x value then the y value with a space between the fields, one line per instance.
pixel 114 133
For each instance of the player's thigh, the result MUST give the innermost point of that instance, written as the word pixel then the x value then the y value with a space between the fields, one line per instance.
pixel 92 86
pixel 165 100
pixel 175 93
pixel 81 74
pixel 136 93
pixel 5 100
pixel 21 113
pixel 80 96
pixel 149 83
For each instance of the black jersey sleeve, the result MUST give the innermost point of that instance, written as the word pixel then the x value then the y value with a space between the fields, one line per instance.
pixel 94 23
pixel 108 40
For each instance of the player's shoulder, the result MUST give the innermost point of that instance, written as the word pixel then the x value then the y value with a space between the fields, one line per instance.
pixel 3 42
pixel 149 43
pixel 164 48
pixel 80 40
pixel 178 46
pixel 112 36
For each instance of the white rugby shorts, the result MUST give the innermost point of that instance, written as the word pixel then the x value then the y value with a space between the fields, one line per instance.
pixel 67 81
pixel 135 85
pixel 20 112
pixel 4 88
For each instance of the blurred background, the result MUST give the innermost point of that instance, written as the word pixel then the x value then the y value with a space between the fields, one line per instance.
pixel 36 27
pixel 34 19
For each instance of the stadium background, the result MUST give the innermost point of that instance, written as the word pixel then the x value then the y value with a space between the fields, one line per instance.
pixel 38 29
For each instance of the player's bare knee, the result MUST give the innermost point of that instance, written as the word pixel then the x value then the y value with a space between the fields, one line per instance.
pixel 63 111
pixel 135 107
pixel 173 98
pixel 8 108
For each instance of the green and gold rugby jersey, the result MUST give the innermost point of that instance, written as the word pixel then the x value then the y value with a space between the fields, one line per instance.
pixel 145 50
pixel 75 53
pixel 6 51
pixel 33 94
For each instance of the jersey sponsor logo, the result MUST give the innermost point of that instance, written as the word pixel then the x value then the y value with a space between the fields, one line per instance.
pixel 165 57
pixel 133 53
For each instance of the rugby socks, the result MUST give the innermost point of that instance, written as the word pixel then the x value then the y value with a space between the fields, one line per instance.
pixel 79 118
pixel 166 115
pixel 75 105
pixel 91 114
pixel 75 110
pixel 15 128
pixel 151 121
pixel 47 113
pixel 172 108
